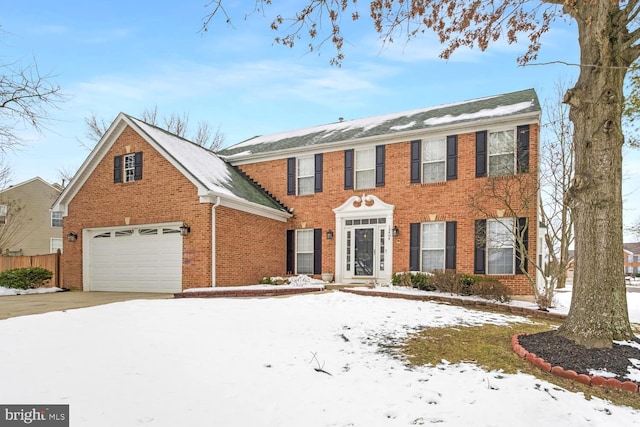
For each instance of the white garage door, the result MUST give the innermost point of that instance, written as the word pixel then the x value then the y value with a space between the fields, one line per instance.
pixel 134 258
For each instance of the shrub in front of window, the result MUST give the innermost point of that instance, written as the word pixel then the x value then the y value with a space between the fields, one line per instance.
pixel 25 278
pixel 413 279
pixel 492 289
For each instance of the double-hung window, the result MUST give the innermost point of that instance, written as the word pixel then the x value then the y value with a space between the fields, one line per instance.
pixel 3 214
pixel 305 175
pixel 502 149
pixel 56 219
pixel 433 246
pixel 500 246
pixel 304 251
pixel 54 244
pixel 434 155
pixel 128 167
pixel 365 168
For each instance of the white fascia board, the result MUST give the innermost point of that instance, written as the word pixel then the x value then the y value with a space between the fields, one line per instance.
pixel 397 137
pixel 245 206
pixel 96 155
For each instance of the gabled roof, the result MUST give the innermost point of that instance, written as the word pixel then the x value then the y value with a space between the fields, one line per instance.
pixel 55 187
pixel 634 248
pixel 216 180
pixel 390 126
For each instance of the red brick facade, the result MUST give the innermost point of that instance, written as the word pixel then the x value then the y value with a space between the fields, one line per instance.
pixel 166 195
pixel 449 201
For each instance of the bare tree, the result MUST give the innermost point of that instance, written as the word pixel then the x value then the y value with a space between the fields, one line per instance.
pixel 608 35
pixel 26 96
pixel 557 165
pixel 13 216
pixel 511 202
pixel 178 124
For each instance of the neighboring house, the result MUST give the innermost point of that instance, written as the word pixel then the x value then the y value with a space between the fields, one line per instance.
pixel 361 199
pixel 632 259
pixel 28 226
pixel 571 265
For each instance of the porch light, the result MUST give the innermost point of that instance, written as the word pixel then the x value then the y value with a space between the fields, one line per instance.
pixel 72 237
pixel 329 234
pixel 396 231
pixel 185 230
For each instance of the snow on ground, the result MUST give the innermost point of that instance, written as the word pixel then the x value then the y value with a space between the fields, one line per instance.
pixel 252 362
pixel 11 291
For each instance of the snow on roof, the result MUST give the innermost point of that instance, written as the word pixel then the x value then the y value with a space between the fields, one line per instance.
pixel 525 101
pixel 206 167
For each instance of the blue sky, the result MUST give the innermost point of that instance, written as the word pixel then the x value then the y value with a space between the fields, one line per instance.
pixel 113 56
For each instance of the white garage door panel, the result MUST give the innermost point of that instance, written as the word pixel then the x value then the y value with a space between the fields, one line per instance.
pixel 137 259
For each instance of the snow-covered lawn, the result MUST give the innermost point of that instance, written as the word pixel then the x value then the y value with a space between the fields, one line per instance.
pixel 252 362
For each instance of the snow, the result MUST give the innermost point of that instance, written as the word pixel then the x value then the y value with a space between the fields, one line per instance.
pixel 358 124
pixel 203 164
pixel 257 362
pixel 502 110
pixel 10 291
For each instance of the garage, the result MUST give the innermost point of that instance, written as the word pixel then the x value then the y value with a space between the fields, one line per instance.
pixel 141 258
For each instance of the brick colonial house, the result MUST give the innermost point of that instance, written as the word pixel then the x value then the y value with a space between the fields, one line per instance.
pixel 434 188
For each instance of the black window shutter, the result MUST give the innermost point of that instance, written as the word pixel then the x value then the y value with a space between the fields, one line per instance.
pixel 137 165
pixel 318 175
pixel 117 169
pixel 414 246
pixel 416 157
pixel 481 154
pixel 291 254
pixel 348 169
pixel 523 233
pixel 480 246
pixel 379 165
pixel 317 251
pixel 523 149
pixel 291 176
pixel 452 157
pixel 450 251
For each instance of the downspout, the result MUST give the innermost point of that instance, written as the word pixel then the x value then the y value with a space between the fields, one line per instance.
pixel 213 241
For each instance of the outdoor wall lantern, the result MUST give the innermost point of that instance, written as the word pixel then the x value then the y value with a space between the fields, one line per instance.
pixel 185 230
pixel 329 234
pixel 396 231
pixel 72 237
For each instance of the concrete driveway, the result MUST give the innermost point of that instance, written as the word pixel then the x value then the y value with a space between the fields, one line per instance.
pixel 22 305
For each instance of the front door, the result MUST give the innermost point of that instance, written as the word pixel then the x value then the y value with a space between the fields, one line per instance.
pixel 365 247
pixel 363 252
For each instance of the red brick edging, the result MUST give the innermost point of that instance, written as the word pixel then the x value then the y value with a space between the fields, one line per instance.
pixel 559 371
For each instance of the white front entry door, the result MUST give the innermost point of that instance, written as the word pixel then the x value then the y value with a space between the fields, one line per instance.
pixel 363 240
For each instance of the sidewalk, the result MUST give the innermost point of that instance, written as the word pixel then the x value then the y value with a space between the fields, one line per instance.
pixel 23 305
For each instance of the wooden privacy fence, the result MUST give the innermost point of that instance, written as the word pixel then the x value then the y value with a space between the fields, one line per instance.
pixel 52 262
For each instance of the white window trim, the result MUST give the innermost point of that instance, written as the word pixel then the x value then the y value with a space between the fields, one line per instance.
pixel 298 251
pixel 60 218
pixel 513 247
pixel 356 170
pixel 298 176
pixel 3 214
pixel 443 247
pixel 51 240
pixel 514 150
pixel 442 140
pixel 131 167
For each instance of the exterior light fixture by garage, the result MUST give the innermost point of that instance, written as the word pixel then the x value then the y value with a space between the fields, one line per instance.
pixel 185 230
pixel 396 231
pixel 72 237
pixel 329 234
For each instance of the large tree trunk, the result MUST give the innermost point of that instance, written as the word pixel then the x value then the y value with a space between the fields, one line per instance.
pixel 598 313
